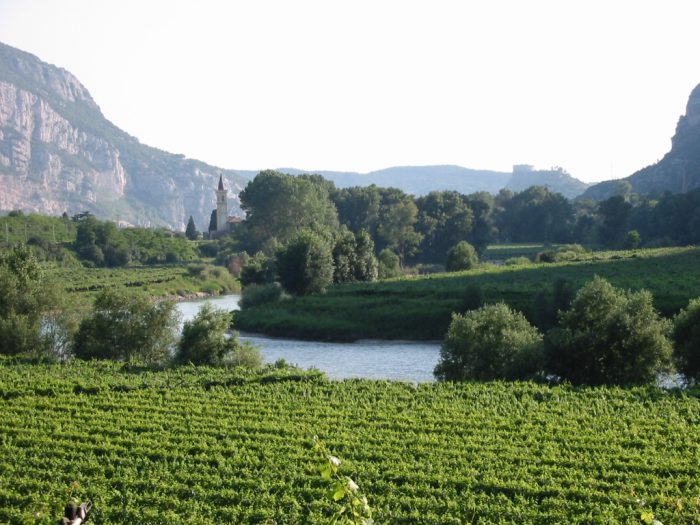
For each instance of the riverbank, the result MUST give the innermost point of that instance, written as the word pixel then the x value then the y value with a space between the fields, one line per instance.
pixel 420 308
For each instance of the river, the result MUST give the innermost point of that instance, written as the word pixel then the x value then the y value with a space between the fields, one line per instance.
pixel 396 360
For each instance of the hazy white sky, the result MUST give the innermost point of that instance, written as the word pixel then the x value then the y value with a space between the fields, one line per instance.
pixel 594 86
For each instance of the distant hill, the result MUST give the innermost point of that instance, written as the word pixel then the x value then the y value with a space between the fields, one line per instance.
pixel 59 153
pixel 677 172
pixel 556 179
pixel 420 180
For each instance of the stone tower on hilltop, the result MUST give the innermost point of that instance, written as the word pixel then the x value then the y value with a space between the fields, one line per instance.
pixel 221 206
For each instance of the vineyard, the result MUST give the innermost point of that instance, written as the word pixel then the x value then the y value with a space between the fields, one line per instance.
pixel 420 307
pixel 195 445
pixel 157 281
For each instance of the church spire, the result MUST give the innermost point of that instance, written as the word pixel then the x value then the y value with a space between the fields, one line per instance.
pixel 221 182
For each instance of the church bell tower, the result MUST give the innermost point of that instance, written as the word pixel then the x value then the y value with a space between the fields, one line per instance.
pixel 221 207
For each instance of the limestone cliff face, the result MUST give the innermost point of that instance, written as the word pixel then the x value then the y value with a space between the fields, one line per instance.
pixel 58 153
pixel 677 172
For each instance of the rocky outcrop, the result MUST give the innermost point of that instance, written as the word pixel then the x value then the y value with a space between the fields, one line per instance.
pixel 677 172
pixel 556 179
pixel 59 153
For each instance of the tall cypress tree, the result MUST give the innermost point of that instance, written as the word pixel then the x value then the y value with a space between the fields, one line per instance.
pixel 191 231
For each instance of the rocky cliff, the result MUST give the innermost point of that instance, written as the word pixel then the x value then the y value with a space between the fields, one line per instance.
pixel 59 153
pixel 677 172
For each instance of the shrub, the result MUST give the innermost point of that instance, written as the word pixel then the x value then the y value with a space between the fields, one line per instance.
pixel 462 256
pixel 305 265
pixel 204 342
pixel 686 338
pixel 517 261
pixel 126 326
pixel 259 269
pixel 257 294
pixel 609 336
pixel 389 264
pixel 493 342
pixel 568 252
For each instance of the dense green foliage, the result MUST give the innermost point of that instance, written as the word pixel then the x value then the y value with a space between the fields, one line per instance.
pixel 305 264
pixel 492 342
pixel 278 206
pixel 686 337
pixel 462 256
pixel 609 336
pixel 421 307
pixel 259 269
pixel 33 317
pixel 204 342
pixel 388 264
pixel 103 244
pixel 353 257
pixel 197 445
pixel 127 326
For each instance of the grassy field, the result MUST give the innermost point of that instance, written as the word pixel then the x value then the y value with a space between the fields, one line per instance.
pixel 420 307
pixel 207 446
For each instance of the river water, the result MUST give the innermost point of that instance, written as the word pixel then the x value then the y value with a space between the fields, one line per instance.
pixel 397 360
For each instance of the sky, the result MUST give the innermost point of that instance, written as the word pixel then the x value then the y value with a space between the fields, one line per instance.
pixel 595 87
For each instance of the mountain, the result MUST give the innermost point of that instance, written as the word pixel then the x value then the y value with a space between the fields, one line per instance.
pixel 420 180
pixel 677 172
pixel 59 153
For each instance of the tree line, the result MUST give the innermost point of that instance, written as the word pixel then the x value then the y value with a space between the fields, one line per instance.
pixel 85 239
pixel 425 228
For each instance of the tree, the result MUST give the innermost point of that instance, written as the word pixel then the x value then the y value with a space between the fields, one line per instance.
pixel 396 228
pixel 483 231
pixel 191 231
pixel 537 215
pixel 492 342
pixel 213 221
pixel 444 218
pixel 609 336
pixel 366 264
pixel 461 256
pixel 278 206
pixel 389 264
pixel 686 338
pixel 353 257
pixel 358 207
pixel 33 318
pixel 204 342
pixel 632 240
pixel 305 265
pixel 126 326
pixel 615 214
